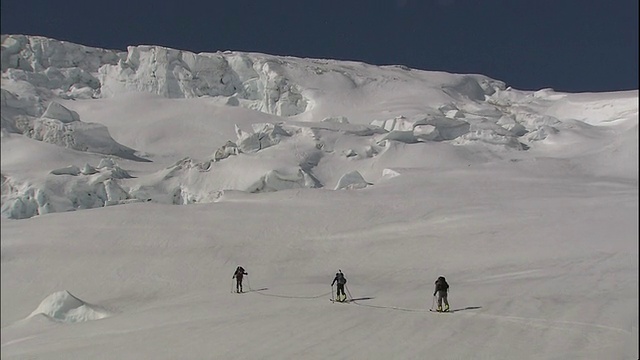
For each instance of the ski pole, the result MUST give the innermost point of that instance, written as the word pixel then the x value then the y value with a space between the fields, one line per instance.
pixel 433 302
pixel 232 285
pixel 248 282
pixel 332 299
pixel 348 292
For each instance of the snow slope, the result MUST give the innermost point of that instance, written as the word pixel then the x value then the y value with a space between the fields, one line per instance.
pixel 133 184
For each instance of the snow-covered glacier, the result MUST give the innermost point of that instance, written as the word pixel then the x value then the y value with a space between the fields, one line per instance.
pixel 299 123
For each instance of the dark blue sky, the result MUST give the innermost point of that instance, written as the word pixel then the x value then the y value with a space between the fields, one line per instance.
pixel 569 45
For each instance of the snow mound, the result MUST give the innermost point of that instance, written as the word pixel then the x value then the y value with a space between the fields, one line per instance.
pixel 390 173
pixel 352 180
pixel 283 179
pixel 69 170
pixel 59 112
pixel 78 136
pixel 63 306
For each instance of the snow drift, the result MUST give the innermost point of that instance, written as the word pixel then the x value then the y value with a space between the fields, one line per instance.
pixel 63 306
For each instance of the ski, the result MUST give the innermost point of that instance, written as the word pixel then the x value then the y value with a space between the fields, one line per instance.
pixel 338 301
pixel 443 312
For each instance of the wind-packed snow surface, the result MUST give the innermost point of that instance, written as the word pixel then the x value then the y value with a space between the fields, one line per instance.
pixel 134 183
